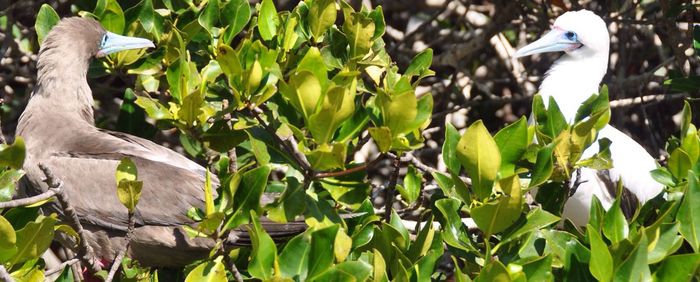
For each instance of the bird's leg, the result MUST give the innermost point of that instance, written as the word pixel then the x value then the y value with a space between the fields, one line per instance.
pixel 577 181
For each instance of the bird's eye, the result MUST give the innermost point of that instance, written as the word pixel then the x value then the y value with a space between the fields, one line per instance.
pixel 104 40
pixel 570 35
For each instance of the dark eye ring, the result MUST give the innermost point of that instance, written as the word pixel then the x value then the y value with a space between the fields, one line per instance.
pixel 104 40
pixel 570 35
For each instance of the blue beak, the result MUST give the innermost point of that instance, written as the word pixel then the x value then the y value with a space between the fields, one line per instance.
pixel 112 42
pixel 554 41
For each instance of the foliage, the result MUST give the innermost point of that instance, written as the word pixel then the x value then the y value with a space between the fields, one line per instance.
pixel 293 94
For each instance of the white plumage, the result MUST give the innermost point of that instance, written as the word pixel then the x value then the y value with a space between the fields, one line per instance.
pixel 572 79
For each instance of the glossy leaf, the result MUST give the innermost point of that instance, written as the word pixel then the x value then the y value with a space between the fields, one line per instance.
pixel 209 16
pixel 601 265
pixel 33 239
pixel 235 15
pixel 410 190
pixel 512 143
pixel 248 199
pixel 449 148
pixel 689 213
pixel 494 217
pixel 478 153
pixel 208 271
pixel 322 254
pixel 45 20
pixel 13 155
pixel 322 14
pixel 268 20
pixel 264 254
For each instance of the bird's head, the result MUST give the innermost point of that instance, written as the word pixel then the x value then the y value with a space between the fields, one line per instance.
pixel 580 34
pixel 86 38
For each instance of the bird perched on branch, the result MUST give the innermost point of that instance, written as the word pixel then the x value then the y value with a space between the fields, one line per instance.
pixel 59 131
pixel 573 78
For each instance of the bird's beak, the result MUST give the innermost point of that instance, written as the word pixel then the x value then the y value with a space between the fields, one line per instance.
pixel 553 41
pixel 112 42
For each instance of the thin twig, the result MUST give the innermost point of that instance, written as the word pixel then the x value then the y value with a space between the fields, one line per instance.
pixel 389 191
pixel 61 266
pixel 236 274
pixel 120 256
pixel 350 170
pixel 85 252
pixel 4 275
pixel 2 137
pixel 29 200
pixel 291 151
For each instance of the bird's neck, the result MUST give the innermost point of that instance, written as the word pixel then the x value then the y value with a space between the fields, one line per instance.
pixel 572 80
pixel 62 90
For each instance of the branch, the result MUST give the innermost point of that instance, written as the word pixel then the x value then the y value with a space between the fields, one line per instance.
pixel 294 152
pixel 30 200
pixel 120 256
pixel 2 137
pixel 389 191
pixel 349 170
pixel 4 275
pixel 61 266
pixel 85 252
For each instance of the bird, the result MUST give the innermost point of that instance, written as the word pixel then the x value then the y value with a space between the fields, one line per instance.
pixel 574 77
pixel 59 131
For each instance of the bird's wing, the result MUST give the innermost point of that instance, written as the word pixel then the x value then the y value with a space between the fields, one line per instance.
pixel 87 162
pixel 631 163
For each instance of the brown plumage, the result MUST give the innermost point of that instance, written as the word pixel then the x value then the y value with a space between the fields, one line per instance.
pixel 59 131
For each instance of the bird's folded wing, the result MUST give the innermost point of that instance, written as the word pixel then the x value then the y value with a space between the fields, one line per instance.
pixel 87 163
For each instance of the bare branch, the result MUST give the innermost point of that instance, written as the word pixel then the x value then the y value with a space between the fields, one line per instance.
pixel 30 200
pixel 85 252
pixel 61 266
pixel 120 256
pixel 389 190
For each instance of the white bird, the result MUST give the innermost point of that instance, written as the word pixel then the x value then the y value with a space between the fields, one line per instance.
pixel 572 79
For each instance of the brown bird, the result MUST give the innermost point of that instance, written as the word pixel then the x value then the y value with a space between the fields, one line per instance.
pixel 59 131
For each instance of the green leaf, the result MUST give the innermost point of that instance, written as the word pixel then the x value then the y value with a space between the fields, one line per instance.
pixel 209 16
pixel 208 271
pixel 359 29
pixel 382 137
pixel 544 166
pixel 601 265
pixel 686 119
pixel 313 63
pixel 13 155
pixel 248 199
pixel 494 217
pixel 322 253
pixel 449 148
pixel 8 239
pixel 236 14
pixel 666 241
pixel 411 185
pixel 550 121
pixel 615 225
pixel 294 259
pixel 337 106
pixel 208 196
pixel 45 20
pixel 264 254
pixel 420 63
pixel 153 108
pixel 126 170
pixel 111 15
pixel 268 20
pixel 129 192
pixel 347 271
pixel 454 233
pixel 305 92
pixel 191 108
pixel 689 213
pixel 479 155
pixel 512 143
pixel 8 183
pixel 536 219
pixel 663 176
pixel 132 119
pixel 635 267
pixel 494 271
pixel 680 267
pixel 539 270
pixel 328 156
pixel 33 239
pixel 322 14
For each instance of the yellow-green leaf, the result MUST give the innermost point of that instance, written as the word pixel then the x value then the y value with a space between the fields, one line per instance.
pixel 479 155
